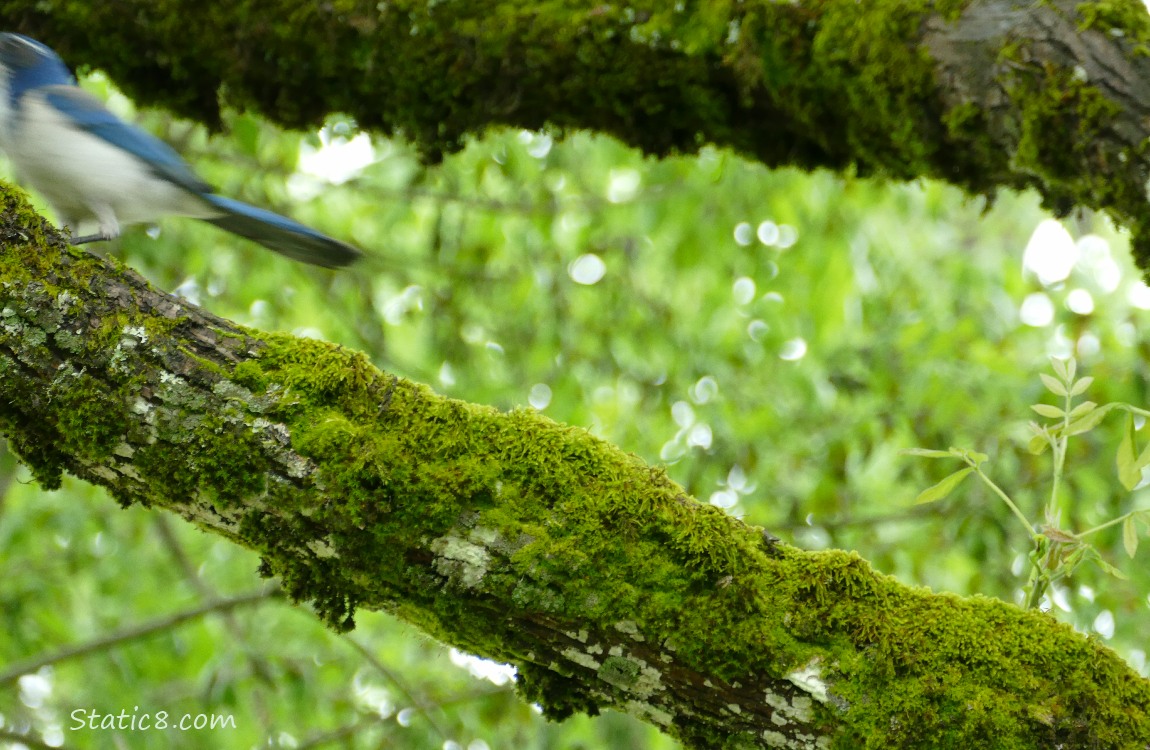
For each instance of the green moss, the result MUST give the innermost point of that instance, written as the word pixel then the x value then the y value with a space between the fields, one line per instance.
pixel 1126 18
pixel 322 374
pixel 397 460
pixel 1059 117
pixel 88 416
pixel 944 642
pixel 866 54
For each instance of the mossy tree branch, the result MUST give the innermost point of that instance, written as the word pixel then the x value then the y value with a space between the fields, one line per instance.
pixel 514 537
pixel 506 534
pixel 981 93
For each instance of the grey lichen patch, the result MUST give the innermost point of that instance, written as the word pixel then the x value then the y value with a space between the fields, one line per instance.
pixel 581 658
pixel 129 471
pixel 72 342
pixel 133 336
pixel 798 709
pixel 653 714
pixel 809 679
pixel 14 323
pixel 168 378
pixel 118 362
pixel 619 671
pixel 206 516
pixel 463 562
pixel 102 471
pixel 796 742
pixel 276 439
pixel 631 674
pixel 486 537
pixel 774 739
pixel 122 360
pixel 578 635
pixel 321 548
pixel 630 628
pixel 232 391
pixel 543 598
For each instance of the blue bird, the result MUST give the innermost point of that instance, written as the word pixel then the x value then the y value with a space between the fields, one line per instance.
pixel 93 166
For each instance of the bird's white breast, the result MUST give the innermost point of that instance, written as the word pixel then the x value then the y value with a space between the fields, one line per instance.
pixel 83 176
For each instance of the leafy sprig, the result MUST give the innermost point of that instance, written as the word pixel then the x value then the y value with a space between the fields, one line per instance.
pixel 1057 552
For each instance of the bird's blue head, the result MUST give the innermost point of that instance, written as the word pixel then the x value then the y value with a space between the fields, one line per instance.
pixel 26 64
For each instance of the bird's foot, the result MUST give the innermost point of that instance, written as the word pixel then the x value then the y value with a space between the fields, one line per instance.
pixel 109 229
pixel 86 238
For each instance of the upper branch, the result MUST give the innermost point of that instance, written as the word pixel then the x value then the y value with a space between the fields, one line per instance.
pixel 981 93
pixel 514 537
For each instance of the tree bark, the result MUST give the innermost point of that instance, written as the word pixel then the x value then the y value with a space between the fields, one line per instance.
pixel 513 537
pixel 984 94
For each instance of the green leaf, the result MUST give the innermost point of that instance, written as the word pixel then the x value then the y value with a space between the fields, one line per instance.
pixel 1088 422
pixel 1059 368
pixel 968 455
pixel 943 488
pixel 1071 369
pixel 1081 386
pixel 1107 567
pixel 1130 536
pixel 1038 444
pixel 925 453
pixel 978 458
pixel 1083 408
pixel 1129 473
pixel 1071 559
pixel 1143 458
pixel 1047 410
pixel 1053 384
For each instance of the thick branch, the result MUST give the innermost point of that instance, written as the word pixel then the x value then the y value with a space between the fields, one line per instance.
pixel 982 93
pixel 514 537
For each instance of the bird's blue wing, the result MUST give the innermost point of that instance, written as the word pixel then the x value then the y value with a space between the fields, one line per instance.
pixel 89 114
pixel 31 65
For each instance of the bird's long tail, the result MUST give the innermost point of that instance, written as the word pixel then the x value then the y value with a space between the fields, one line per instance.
pixel 280 233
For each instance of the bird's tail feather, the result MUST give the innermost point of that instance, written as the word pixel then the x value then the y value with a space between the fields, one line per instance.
pixel 280 233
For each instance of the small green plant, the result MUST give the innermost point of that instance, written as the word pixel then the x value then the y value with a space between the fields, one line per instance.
pixel 1057 552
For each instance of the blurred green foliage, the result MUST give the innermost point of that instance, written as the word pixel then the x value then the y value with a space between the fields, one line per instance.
pixel 775 338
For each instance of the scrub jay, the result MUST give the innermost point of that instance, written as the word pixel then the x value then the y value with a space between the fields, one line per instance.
pixel 91 165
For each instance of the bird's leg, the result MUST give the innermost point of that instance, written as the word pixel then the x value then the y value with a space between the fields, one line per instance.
pixel 109 229
pixel 86 238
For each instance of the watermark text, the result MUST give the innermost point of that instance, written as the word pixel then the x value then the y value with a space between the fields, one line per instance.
pixel 135 721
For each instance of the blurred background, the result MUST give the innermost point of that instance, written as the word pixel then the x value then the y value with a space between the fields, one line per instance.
pixel 773 338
